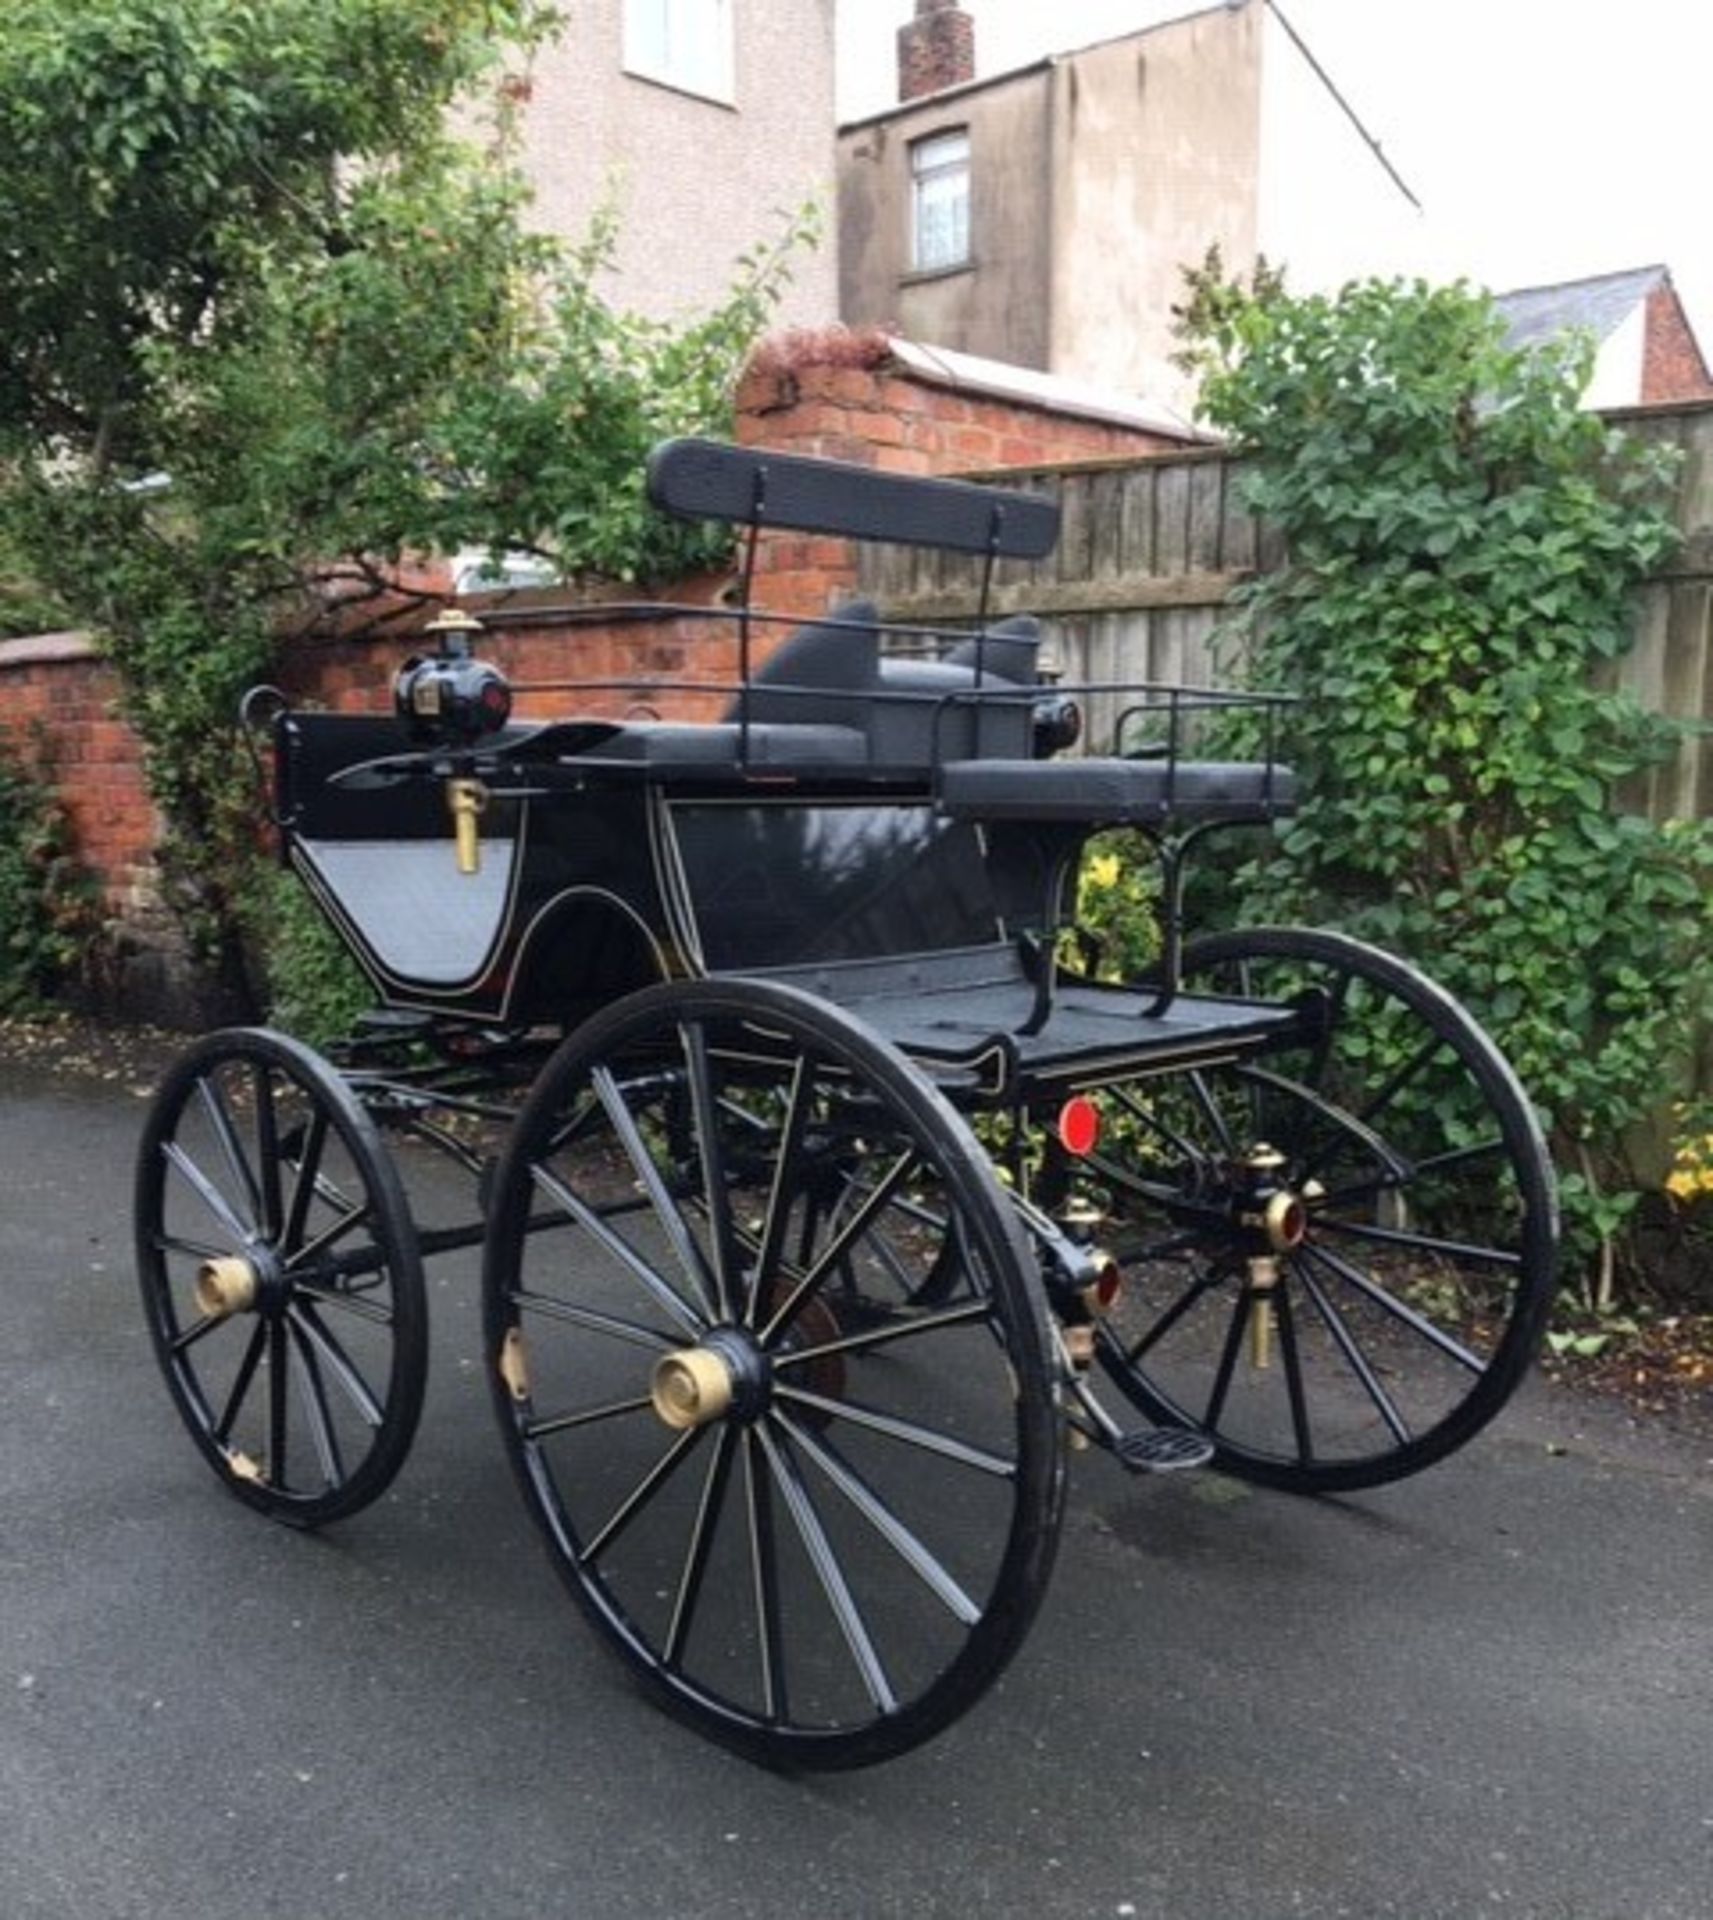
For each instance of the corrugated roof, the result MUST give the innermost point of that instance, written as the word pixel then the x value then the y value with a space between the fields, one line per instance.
pixel 1599 306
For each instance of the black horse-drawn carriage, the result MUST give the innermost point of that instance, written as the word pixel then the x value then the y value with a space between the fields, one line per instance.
pixel 825 1190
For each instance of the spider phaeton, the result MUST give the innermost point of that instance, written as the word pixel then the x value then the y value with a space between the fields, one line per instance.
pixel 826 1190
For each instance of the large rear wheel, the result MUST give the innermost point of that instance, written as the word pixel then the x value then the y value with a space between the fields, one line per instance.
pixel 770 1371
pixel 1339 1254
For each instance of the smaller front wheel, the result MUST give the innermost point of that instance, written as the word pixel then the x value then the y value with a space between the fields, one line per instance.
pixel 281 1276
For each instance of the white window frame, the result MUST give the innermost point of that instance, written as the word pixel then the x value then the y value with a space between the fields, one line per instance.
pixel 684 44
pixel 940 201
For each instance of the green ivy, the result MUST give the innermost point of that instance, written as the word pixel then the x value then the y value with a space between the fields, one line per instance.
pixel 1463 541
pixel 312 987
pixel 45 898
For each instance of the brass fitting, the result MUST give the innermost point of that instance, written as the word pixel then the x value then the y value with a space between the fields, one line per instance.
pixel 1263 1280
pixel 468 800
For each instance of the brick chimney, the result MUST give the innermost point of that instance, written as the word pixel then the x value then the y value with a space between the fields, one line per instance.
pixel 935 50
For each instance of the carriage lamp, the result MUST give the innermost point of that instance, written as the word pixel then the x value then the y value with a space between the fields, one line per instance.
pixel 1058 723
pixel 448 698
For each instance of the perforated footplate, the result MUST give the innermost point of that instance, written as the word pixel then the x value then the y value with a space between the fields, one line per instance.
pixel 1163 1449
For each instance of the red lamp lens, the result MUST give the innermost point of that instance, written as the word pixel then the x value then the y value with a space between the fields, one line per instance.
pixel 1079 1126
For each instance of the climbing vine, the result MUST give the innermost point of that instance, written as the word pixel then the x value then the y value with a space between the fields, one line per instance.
pixel 45 899
pixel 1463 540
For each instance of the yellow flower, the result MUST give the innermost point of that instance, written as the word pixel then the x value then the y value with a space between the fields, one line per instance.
pixel 1681 1184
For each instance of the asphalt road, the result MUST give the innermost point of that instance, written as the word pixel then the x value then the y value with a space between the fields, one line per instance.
pixel 1486 1691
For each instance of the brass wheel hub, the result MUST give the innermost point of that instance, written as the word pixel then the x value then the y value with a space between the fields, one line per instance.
pixel 725 1376
pixel 691 1388
pixel 226 1285
pixel 1279 1214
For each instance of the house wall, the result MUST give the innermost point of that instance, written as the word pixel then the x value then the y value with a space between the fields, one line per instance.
pixel 997 306
pixel 1155 159
pixel 1327 209
pixel 1617 377
pixel 1673 369
pixel 696 181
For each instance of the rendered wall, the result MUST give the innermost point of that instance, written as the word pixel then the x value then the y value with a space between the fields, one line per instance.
pixel 1327 211
pixel 1155 158
pixel 697 182
pixel 998 305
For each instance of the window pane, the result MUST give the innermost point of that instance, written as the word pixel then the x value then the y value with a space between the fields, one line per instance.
pixel 940 201
pixel 687 43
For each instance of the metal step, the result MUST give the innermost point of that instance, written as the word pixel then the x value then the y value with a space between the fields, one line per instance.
pixel 1163 1449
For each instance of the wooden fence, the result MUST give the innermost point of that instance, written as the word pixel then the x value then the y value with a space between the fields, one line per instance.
pixel 1150 552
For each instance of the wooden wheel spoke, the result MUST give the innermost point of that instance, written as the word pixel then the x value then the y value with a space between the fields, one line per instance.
pixel 591 1320
pixel 1354 1357
pixel 1459 1250
pixel 764 1580
pixel 666 1209
pixel 909 1326
pixel 783 1190
pixel 241 1383
pixel 829 1573
pixel 586 1417
pixel 268 1151
pixel 304 1184
pixel 699 1546
pixel 214 1105
pixel 883 1520
pixel 337 1361
pixel 279 1349
pixel 908 1433
pixel 205 1190
pixel 839 1247
pixel 654 1284
pixel 1291 1355
pixel 645 1489
pixel 318 1416
pixel 1400 1310
pixel 705 1108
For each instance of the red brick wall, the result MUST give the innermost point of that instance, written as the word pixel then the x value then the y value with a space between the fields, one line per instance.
pixel 58 682
pixel 844 396
pixel 1672 364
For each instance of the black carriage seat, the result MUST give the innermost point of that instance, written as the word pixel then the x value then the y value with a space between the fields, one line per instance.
pixel 709 746
pixel 1156 791
pixel 908 714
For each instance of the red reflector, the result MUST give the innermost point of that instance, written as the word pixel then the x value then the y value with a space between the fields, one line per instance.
pixel 1079 1125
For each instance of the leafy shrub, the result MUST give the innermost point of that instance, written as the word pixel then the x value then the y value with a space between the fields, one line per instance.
pixel 311 986
pixel 1462 542
pixel 45 900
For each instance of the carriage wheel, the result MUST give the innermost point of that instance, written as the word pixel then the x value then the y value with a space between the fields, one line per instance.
pixel 804 1480
pixel 1338 1256
pixel 280 1276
